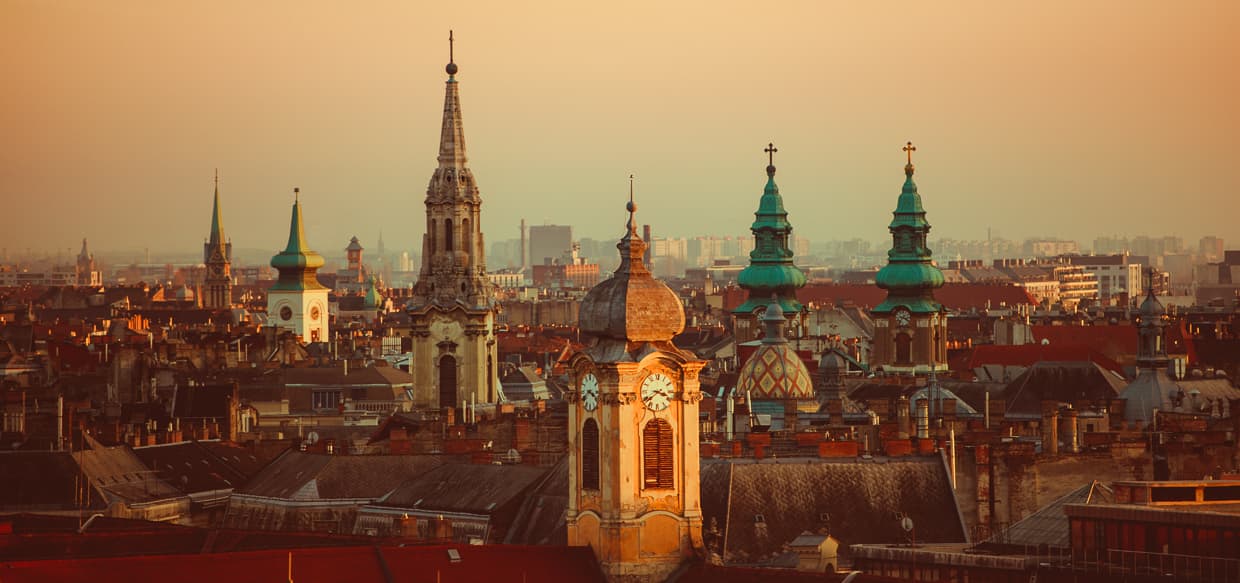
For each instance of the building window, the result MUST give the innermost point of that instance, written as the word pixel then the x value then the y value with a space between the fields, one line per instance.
pixel 589 455
pixel 326 399
pixel 448 235
pixel 658 455
pixel 904 349
pixel 447 382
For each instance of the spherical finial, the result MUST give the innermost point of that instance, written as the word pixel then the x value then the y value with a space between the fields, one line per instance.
pixel 631 207
pixel 770 170
pixel 451 68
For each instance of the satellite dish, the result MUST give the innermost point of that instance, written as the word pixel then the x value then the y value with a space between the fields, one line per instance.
pixel 312 437
pixel 907 524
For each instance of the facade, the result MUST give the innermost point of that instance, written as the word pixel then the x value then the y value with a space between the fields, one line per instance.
pixel 910 334
pixel 297 302
pixel 771 276
pixel 452 312
pixel 86 272
pixel 1116 274
pixel 634 495
pixel 217 257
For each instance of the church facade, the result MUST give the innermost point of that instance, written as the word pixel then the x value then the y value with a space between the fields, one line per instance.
pixel 453 309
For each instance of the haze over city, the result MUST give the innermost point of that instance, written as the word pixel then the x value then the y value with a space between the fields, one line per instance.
pixel 1031 120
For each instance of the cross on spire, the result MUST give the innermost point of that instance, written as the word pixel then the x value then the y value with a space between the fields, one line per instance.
pixel 217 177
pixel 450 46
pixel 909 148
pixel 770 153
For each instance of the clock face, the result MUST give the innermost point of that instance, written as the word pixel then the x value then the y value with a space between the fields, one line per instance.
pixel 903 317
pixel 314 314
pixel 286 313
pixel 589 392
pixel 657 391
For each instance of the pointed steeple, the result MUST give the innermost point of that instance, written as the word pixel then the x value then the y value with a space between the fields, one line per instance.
pixel 84 255
pixel 771 274
pixel 452 134
pixel 632 247
pixel 1152 321
pixel 297 263
pixel 217 219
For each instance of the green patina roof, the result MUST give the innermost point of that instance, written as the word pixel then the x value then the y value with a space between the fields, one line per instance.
pixel 771 270
pixel 297 262
pixel 217 220
pixel 910 276
pixel 372 295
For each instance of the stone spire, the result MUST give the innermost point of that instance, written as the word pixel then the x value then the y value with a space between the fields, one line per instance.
pixel 452 134
pixel 84 254
pixel 910 276
pixel 771 274
pixel 217 220
pixel 297 263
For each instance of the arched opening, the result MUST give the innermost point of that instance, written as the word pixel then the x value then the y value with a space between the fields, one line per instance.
pixel 431 239
pixel 658 454
pixel 447 381
pixel 589 455
pixel 448 235
pixel 904 348
pixel 466 236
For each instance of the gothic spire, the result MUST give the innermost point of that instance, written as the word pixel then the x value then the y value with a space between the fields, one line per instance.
pixel 452 134
pixel 217 219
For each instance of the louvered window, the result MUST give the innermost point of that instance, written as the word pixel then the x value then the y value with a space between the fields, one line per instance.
pixel 657 455
pixel 589 455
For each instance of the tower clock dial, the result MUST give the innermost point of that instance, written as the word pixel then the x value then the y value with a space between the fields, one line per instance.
pixel 589 391
pixel 657 391
pixel 903 317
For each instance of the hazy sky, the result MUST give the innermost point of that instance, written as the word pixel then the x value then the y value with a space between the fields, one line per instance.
pixel 1059 118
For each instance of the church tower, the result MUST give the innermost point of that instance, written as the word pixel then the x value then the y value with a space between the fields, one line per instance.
pixel 85 270
pixel 452 311
pixel 910 333
pixel 217 256
pixel 297 302
pixel 771 275
pixel 634 493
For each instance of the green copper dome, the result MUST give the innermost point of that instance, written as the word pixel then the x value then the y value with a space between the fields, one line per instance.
pixel 771 274
pixel 297 263
pixel 910 276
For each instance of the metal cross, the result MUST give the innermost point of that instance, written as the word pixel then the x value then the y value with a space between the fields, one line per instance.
pixel 910 148
pixel 630 189
pixel 770 152
pixel 450 59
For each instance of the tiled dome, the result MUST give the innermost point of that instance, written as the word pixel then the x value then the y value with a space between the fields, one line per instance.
pixel 775 372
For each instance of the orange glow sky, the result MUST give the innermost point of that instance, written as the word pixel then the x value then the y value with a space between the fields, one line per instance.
pixel 1061 118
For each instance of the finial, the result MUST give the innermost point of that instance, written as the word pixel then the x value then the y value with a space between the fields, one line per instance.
pixel 632 206
pixel 451 68
pixel 217 176
pixel 770 153
pixel 909 148
pixel 296 194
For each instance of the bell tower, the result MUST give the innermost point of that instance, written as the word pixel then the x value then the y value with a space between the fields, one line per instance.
pixel 297 302
pixel 634 494
pixel 217 257
pixel 910 327
pixel 452 312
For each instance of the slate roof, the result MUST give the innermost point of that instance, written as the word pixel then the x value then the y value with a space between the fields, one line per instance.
pixel 860 498
pixel 467 488
pixel 191 467
pixel 118 472
pixel 335 376
pixel 38 480
pixel 309 476
pixel 1049 525
pixel 1066 382
pixel 542 517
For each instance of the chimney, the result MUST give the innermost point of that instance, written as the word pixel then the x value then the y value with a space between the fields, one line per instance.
pixel 441 529
pixel 923 418
pixel 1072 428
pixel 1050 427
pixel 902 418
pixel 406 528
pixel 524 247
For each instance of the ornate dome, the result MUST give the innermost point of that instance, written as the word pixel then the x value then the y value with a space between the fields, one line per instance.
pixel 632 305
pixel 775 372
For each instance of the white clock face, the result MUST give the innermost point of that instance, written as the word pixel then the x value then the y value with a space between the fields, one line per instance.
pixel 903 318
pixel 657 391
pixel 589 392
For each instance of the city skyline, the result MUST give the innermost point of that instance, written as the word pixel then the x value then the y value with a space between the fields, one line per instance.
pixel 557 116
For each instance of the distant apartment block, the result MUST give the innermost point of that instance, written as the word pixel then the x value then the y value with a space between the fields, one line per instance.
pixel 549 242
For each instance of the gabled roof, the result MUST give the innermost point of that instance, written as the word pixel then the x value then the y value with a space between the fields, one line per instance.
pixel 468 488
pixel 190 467
pixel 761 506
pixel 1049 525
pixel 310 476
pixel 1065 382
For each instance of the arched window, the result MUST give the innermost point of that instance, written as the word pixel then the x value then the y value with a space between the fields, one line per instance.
pixel 658 455
pixel 431 239
pixel 589 455
pixel 447 382
pixel 466 236
pixel 448 235
pixel 904 348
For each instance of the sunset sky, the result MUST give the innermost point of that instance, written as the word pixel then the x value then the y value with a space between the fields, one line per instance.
pixel 1061 118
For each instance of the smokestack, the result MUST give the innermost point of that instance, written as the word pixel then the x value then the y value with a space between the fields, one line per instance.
pixel 524 247
pixel 923 418
pixel 649 244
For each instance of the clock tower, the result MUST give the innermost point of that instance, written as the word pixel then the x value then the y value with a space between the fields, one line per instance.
pixel 297 302
pixel 910 327
pixel 633 426
pixel 217 257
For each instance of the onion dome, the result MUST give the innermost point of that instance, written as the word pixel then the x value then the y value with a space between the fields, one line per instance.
pixel 771 272
pixel 774 371
pixel 910 276
pixel 371 300
pixel 297 263
pixel 632 305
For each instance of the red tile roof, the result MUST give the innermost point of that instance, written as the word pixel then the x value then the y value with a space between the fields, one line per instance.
pixel 955 296
pixel 1117 342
